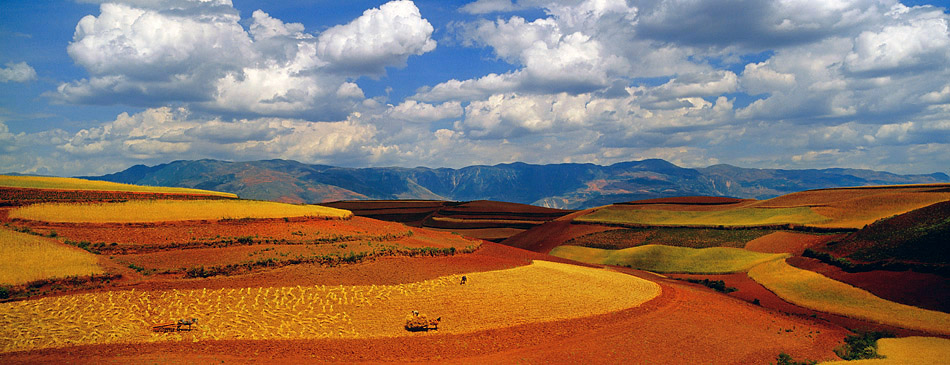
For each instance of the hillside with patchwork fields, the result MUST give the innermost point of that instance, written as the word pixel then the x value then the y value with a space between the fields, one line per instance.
pixel 132 274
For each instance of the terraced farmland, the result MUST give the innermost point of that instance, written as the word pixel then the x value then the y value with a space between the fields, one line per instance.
pixel 660 258
pixel 170 210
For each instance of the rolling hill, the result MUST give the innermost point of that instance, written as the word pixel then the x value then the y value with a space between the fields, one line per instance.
pixel 564 186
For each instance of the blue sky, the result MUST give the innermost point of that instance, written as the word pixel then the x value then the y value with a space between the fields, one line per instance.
pixel 93 87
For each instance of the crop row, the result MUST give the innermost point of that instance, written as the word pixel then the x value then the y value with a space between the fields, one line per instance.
pixel 247 313
pixel 24 196
pixel 170 210
pixel 330 260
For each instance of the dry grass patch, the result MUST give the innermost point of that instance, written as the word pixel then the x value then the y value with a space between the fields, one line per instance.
pixel 68 183
pixel 170 210
pixel 542 291
pixel 907 350
pixel 25 258
pixel 815 291
pixel 660 258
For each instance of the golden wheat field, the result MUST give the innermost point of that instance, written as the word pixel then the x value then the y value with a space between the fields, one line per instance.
pixel 542 291
pixel 812 290
pixel 170 210
pixel 25 258
pixel 68 183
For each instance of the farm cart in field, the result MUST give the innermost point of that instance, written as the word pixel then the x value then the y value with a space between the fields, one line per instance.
pixel 179 325
pixel 416 322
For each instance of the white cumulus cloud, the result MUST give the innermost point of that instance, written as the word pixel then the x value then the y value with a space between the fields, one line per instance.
pixel 17 72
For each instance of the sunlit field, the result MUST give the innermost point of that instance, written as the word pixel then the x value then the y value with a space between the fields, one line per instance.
pixel 660 258
pixel 733 217
pixel 908 350
pixel 66 183
pixel 812 290
pixel 25 258
pixel 542 291
pixel 170 210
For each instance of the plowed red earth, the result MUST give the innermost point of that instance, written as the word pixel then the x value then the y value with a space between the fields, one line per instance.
pixel 927 291
pixel 187 231
pixel 546 237
pixel 685 325
pixel 790 242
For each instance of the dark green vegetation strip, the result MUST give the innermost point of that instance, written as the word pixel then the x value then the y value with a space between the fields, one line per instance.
pixel 49 286
pixel 680 237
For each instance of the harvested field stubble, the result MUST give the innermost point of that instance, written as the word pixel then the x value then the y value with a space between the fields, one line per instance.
pixel 170 210
pixel 542 291
pixel 815 291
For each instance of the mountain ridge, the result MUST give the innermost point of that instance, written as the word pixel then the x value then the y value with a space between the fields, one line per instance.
pixel 565 185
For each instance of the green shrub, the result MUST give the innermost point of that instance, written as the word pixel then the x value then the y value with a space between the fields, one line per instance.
pixel 861 345
pixel 786 359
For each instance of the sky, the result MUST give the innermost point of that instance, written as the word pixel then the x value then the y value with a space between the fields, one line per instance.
pixel 92 87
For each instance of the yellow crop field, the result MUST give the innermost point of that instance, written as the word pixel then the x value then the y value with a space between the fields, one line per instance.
pixel 731 217
pixel 661 258
pixel 68 183
pixel 812 290
pixel 854 208
pixel 170 210
pixel 25 258
pixel 908 350
pixel 542 291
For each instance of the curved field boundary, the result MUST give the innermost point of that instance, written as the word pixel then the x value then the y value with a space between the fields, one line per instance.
pixel 743 217
pixel 908 350
pixel 815 291
pixel 540 292
pixel 170 210
pixel 25 258
pixel 669 259
pixel 69 183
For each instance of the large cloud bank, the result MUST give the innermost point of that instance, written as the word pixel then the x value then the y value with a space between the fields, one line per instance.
pixel 852 83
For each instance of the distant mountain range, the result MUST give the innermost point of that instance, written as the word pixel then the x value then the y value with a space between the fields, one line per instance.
pixel 566 186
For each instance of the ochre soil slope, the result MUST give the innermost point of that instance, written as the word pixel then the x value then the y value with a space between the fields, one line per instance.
pixel 788 242
pixel 546 237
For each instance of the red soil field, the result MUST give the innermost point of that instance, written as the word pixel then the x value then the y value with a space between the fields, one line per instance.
pixel 295 230
pixel 684 325
pixel 789 242
pixel 922 290
pixel 546 237
pixel 483 219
